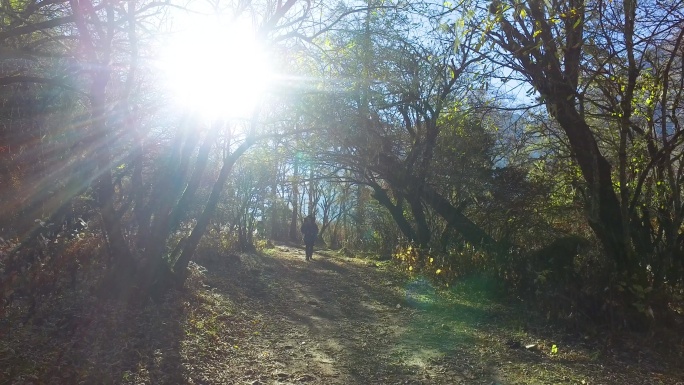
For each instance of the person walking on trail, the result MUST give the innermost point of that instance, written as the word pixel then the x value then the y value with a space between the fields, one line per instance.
pixel 310 231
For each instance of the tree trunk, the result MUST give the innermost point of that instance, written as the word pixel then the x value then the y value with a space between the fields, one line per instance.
pixel 153 218
pixel 118 250
pixel 183 204
pixel 294 228
pixel 360 215
pixel 164 198
pixel 423 232
pixel 605 215
pixel 180 266
pixel 275 228
pixel 470 232
pixel 395 174
pixel 396 211
pixel 557 83
pixel 312 192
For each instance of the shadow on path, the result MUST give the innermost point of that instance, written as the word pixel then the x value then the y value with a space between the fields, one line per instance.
pixel 343 321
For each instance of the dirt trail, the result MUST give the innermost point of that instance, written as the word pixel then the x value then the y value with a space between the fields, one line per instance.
pixel 340 320
pixel 273 318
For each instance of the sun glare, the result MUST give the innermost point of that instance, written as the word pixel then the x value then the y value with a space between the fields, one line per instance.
pixel 217 71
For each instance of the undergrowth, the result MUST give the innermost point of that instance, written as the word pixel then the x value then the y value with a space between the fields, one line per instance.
pixel 563 283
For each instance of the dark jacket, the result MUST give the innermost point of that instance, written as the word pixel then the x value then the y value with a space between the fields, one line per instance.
pixel 310 231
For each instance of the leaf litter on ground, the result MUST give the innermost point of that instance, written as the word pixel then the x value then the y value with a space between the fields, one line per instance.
pixel 275 318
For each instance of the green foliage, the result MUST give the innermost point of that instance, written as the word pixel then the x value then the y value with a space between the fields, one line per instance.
pixel 444 268
pixel 218 244
pixel 619 104
pixel 394 96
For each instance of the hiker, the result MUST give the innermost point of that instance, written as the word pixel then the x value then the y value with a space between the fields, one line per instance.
pixel 310 231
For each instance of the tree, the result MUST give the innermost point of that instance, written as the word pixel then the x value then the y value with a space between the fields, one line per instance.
pixel 149 174
pixel 394 111
pixel 604 72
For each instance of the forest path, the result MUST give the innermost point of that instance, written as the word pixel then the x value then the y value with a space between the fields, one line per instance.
pixel 344 321
pixel 338 320
pixel 273 318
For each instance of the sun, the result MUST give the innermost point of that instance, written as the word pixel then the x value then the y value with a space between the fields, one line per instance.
pixel 216 70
